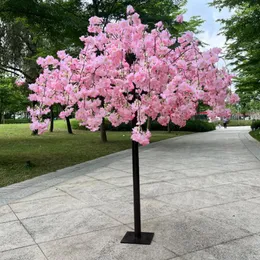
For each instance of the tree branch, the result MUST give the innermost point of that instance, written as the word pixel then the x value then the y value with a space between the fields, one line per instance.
pixel 9 71
pixel 15 70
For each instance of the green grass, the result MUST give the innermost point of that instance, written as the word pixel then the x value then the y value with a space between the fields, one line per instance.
pixel 255 134
pixel 53 151
pixel 240 123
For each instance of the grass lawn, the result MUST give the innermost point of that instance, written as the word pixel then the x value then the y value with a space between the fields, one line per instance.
pixel 240 123
pixel 57 150
pixel 255 134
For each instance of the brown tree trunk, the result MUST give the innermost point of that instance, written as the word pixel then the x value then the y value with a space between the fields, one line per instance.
pixel 103 134
pixel 197 116
pixel 169 127
pixel 1 118
pixel 52 120
pixel 69 125
pixel 149 122
pixel 35 132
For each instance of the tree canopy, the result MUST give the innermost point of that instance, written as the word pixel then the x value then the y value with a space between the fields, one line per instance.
pixel 127 73
pixel 34 28
pixel 242 31
pixel 12 98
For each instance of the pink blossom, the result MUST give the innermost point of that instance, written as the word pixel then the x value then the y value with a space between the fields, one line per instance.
pixel 61 55
pixel 130 9
pixel 141 137
pixel 234 98
pixel 123 71
pixel 66 113
pixel 163 120
pixel 159 25
pixel 188 36
pixel 95 20
pixel 179 18
pixel 20 82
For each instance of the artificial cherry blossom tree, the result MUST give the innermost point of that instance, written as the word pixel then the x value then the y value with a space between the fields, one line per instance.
pixel 126 74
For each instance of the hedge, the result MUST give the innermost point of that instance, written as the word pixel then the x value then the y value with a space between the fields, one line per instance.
pixel 16 121
pixel 191 126
pixel 255 124
pixel 239 122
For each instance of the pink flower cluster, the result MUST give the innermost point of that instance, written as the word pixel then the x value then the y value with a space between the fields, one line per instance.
pixel 19 82
pixel 179 18
pixel 124 72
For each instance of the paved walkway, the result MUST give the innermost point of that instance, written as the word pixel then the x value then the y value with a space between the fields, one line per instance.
pixel 200 195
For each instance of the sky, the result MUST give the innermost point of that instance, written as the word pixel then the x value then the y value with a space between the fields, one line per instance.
pixel 211 27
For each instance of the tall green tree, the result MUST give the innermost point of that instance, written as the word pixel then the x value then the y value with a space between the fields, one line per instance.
pixel 60 23
pixel 242 31
pixel 17 50
pixel 51 25
pixel 12 98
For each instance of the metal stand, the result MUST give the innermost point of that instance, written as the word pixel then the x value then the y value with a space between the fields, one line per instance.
pixel 145 239
pixel 137 237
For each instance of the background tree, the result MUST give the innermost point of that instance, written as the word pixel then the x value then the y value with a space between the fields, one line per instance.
pixel 242 31
pixel 12 98
pixel 52 25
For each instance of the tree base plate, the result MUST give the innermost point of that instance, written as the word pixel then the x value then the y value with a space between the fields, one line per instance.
pixel 145 239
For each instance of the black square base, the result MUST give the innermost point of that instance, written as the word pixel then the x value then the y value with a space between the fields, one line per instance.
pixel 145 239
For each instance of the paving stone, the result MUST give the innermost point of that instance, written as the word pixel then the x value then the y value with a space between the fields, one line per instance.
pixel 160 188
pixel 160 166
pixel 3 202
pixel 24 253
pixel 251 177
pixel 243 249
pixel 22 193
pixel 255 200
pixel 26 209
pixel 102 196
pixel 199 255
pixel 50 227
pixel 235 191
pixel 190 232
pixel 13 235
pixel 213 220
pixel 123 211
pixel 194 199
pixel 103 245
pixel 121 165
pixel 196 172
pixel 200 182
pixel 166 175
pixel 243 214
pixel 106 173
pixel 128 181
pixel 47 193
pixel 6 214
pixel 50 182
pixel 241 166
pixel 144 169
pixel 87 186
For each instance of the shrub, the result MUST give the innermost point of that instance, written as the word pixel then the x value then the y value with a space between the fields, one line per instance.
pixel 75 125
pixel 239 123
pixel 255 124
pixel 198 126
pixel 17 121
pixel 192 126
